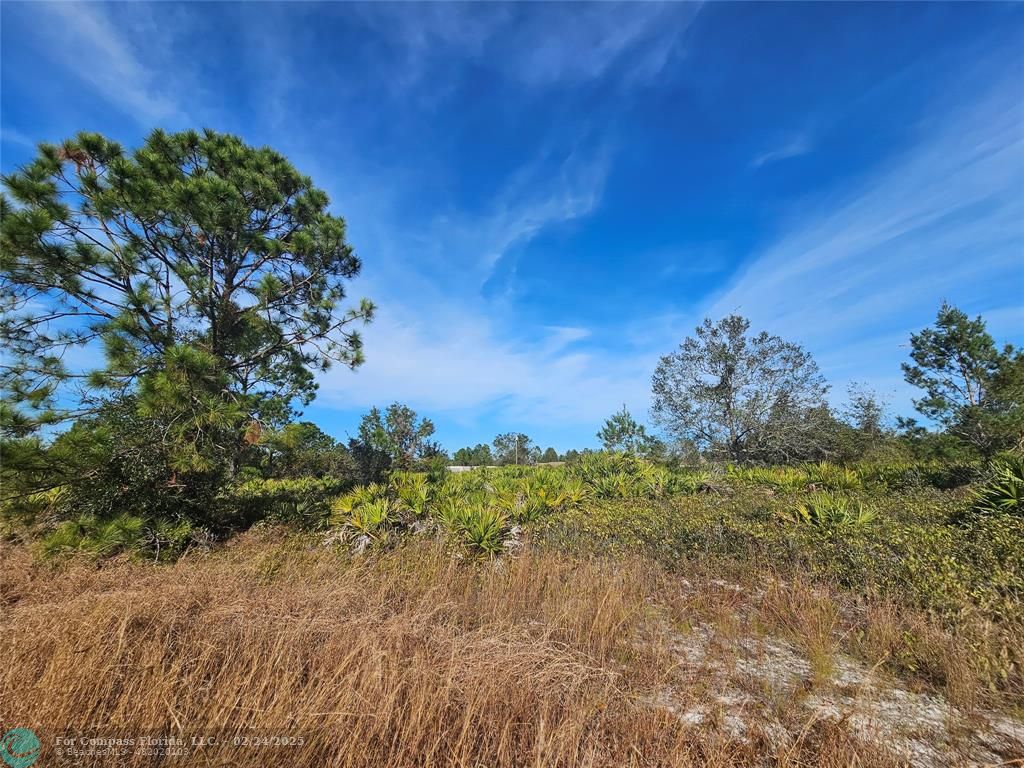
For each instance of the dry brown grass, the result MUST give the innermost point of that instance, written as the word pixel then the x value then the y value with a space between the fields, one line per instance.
pixel 810 617
pixel 408 658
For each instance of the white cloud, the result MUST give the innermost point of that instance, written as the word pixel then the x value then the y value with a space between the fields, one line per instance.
pixel 538 45
pixel 944 221
pixel 107 54
pixel 12 136
pixel 438 347
pixel 452 253
pixel 532 200
pixel 796 146
pixel 578 43
pixel 457 363
pixel 947 215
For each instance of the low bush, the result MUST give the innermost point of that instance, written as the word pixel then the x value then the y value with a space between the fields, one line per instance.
pixel 480 509
pixel 1003 491
pixel 833 477
pixel 781 478
pixel 900 476
pixel 161 538
pixel 303 502
pixel 827 509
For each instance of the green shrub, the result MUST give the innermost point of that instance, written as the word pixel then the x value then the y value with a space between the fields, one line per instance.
pixel 1003 492
pixel 622 476
pixel 833 477
pixel 158 539
pixel 829 510
pixel 91 535
pixel 484 530
pixel 375 519
pixel 572 493
pixel 413 490
pixel 898 476
pixel 781 478
pixel 304 502
pixel 118 462
pixel 475 505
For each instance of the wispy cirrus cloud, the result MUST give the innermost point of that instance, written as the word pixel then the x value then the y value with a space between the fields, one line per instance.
pixel 546 45
pixel 454 136
pixel 797 145
pixel 10 135
pixel 438 345
pixel 125 53
pixel 944 221
pixel 541 194
pixel 579 43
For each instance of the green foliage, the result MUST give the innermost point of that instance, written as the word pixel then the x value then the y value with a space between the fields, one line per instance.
pixel 484 530
pixel 302 449
pixel 971 388
pixel 413 490
pixel 515 448
pixel 369 464
pixel 866 413
pixel 621 432
pixel 896 476
pixel 118 462
pixel 208 278
pixel 622 476
pixel 398 433
pixel 90 535
pixel 370 513
pixel 159 539
pixel 436 467
pixel 210 272
pixel 477 456
pixel 304 502
pixel 479 509
pixel 745 398
pixel 906 551
pixel 822 475
pixel 374 519
pixel 362 494
pixel 573 493
pixel 1003 491
pixel 833 477
pixel 829 510
pixel 781 478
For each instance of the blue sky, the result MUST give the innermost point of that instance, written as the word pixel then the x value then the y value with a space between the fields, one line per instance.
pixel 549 197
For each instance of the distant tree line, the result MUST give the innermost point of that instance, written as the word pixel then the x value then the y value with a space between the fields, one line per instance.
pixel 508 448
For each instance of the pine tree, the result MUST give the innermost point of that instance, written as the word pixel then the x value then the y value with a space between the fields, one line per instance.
pixel 202 276
pixel 397 433
pixel 972 388
pixel 621 432
pixel 477 456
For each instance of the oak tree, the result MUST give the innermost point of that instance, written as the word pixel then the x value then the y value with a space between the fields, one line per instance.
pixel 739 396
